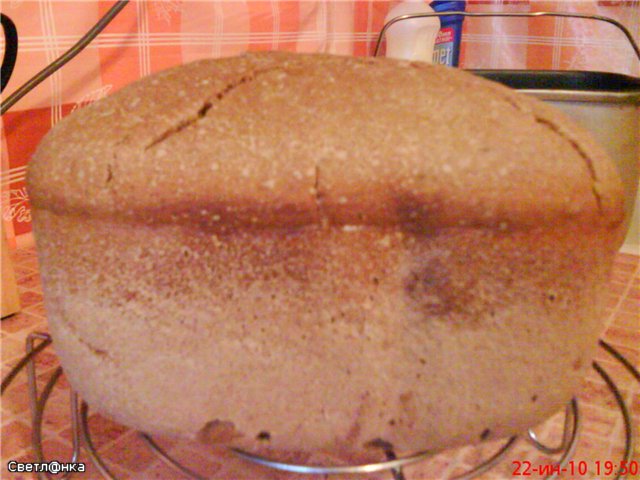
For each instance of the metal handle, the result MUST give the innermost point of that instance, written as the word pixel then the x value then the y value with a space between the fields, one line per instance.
pixel 64 58
pixel 509 14
pixel 10 49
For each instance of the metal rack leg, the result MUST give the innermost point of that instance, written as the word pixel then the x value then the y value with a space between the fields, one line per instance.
pixel 626 417
pixel 38 403
pixel 88 443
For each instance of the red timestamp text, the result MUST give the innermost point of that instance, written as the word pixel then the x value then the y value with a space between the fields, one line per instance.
pixel 599 467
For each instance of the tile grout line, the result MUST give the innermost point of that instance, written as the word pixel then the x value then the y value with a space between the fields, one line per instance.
pixel 625 292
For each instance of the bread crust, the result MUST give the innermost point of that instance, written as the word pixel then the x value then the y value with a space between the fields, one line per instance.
pixel 275 139
pixel 319 253
pixel 327 340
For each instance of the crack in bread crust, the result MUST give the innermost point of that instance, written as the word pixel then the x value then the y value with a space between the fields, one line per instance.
pixel 206 106
pixel 555 128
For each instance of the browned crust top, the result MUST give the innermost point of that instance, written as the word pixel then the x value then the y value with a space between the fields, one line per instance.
pixel 279 139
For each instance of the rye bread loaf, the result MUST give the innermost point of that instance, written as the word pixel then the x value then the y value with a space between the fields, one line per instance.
pixel 314 252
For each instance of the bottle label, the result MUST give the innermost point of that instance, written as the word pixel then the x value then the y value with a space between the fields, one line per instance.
pixel 445 44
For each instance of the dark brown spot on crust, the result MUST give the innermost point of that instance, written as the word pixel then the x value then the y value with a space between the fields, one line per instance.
pixel 356 427
pixel 406 397
pixel 431 289
pixel 379 443
pixel 485 434
pixel 218 431
pixel 100 352
pixel 129 295
pixel 109 173
pixel 206 106
pixel 263 436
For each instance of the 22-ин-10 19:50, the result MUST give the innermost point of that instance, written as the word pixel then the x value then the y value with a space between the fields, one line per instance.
pixel 607 467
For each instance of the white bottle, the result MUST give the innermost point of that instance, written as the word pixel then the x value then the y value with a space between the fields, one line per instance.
pixel 415 38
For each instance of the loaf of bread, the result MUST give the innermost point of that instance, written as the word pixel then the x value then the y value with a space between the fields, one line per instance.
pixel 320 253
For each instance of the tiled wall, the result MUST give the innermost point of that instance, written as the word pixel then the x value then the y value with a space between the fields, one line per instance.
pixel 149 36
